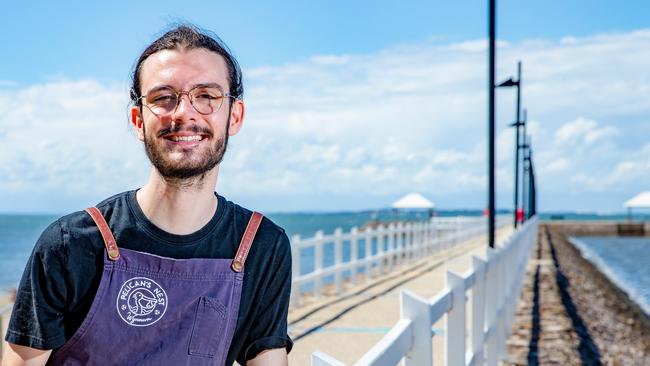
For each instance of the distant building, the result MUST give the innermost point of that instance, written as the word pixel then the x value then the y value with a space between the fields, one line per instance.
pixel 414 201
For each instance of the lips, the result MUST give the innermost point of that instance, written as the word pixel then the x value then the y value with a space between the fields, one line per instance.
pixel 189 136
pixel 177 138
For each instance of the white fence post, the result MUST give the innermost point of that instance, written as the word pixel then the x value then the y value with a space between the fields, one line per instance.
pixel 399 242
pixel 381 253
pixel 338 259
pixel 391 245
pixel 417 309
pixel 410 241
pixel 430 237
pixel 354 253
pixel 501 294
pixel 368 258
pixel 478 310
pixel 455 322
pixel 422 239
pixel 491 309
pixel 318 264
pixel 295 270
pixel 319 358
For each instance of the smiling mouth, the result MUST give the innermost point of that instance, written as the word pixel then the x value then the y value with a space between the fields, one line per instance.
pixel 185 138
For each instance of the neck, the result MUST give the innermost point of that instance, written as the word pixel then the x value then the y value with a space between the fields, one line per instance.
pixel 179 207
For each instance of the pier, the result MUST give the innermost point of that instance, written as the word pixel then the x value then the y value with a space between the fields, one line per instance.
pixel 532 300
pixel 369 324
pixel 433 293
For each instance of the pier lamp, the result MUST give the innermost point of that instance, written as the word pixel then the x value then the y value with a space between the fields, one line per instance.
pixel 533 189
pixel 526 178
pixel 492 35
pixel 532 193
pixel 507 84
pixel 524 145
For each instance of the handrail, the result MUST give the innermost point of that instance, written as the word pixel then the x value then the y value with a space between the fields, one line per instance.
pixel 495 284
pixel 384 247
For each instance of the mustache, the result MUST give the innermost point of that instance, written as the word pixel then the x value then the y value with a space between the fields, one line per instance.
pixel 193 128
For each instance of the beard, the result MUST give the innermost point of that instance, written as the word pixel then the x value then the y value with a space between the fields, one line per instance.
pixel 187 171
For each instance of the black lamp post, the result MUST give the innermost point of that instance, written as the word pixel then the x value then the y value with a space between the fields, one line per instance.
pixel 526 179
pixel 533 188
pixel 525 144
pixel 491 62
pixel 509 83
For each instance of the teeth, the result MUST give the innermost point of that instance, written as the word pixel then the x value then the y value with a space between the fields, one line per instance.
pixel 187 138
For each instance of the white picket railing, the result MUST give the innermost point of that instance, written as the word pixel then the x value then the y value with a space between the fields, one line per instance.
pixel 495 285
pixel 383 248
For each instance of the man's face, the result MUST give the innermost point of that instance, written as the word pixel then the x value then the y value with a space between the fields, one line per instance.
pixel 185 143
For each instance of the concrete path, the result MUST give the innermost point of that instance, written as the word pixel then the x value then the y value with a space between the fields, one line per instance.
pixel 348 326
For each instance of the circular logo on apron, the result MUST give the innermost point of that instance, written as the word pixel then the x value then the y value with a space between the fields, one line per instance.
pixel 141 302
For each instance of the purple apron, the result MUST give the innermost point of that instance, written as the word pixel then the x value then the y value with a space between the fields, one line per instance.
pixel 152 310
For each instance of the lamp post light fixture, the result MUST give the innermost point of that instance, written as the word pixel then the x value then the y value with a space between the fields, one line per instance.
pixel 506 84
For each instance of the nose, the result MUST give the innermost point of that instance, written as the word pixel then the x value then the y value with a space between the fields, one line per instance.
pixel 184 109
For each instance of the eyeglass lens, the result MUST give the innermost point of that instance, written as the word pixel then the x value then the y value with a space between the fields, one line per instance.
pixel 205 100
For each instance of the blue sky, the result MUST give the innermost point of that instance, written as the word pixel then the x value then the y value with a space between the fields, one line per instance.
pixel 351 104
pixel 78 39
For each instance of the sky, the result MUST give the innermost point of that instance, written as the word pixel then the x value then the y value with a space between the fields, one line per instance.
pixel 350 105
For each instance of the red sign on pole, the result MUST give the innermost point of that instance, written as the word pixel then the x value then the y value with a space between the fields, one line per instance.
pixel 520 215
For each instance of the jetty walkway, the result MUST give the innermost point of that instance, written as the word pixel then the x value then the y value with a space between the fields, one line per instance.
pixel 347 326
pixel 570 313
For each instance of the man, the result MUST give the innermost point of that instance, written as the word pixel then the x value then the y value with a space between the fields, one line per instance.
pixel 168 274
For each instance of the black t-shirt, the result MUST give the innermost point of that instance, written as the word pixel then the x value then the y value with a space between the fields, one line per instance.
pixel 64 270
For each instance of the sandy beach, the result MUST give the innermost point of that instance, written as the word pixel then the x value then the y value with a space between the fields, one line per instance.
pixel 571 313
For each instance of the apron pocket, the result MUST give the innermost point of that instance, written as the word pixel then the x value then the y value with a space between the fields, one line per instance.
pixel 209 327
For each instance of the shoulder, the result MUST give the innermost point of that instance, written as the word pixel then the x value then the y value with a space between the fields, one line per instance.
pixel 270 237
pixel 267 227
pixel 77 226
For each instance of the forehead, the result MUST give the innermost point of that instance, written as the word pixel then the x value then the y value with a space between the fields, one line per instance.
pixel 182 69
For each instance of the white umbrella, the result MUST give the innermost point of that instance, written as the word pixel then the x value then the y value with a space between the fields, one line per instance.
pixel 413 200
pixel 641 200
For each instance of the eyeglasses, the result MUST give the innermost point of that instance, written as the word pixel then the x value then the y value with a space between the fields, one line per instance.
pixel 204 99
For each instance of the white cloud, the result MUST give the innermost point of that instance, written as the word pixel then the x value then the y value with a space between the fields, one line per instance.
pixel 583 131
pixel 355 130
pixel 66 137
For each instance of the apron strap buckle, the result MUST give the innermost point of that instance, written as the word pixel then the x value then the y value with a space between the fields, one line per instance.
pixel 246 242
pixel 107 235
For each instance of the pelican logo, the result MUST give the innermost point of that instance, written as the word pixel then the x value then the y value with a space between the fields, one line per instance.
pixel 141 302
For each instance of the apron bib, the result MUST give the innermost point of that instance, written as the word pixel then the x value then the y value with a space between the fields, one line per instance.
pixel 152 310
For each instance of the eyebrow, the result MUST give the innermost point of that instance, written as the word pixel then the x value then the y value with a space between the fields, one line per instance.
pixel 199 85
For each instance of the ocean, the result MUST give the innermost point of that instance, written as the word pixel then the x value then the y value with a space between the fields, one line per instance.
pixel 18 233
pixel 624 260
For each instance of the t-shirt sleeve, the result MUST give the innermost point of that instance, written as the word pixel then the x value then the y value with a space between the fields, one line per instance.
pixel 37 316
pixel 269 330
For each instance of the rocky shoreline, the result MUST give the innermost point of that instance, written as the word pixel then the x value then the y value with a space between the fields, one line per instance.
pixel 570 313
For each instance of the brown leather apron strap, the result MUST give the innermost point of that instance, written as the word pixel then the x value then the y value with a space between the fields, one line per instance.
pixel 109 239
pixel 246 242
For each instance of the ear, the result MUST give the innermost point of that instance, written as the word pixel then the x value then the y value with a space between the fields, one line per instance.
pixel 236 117
pixel 136 120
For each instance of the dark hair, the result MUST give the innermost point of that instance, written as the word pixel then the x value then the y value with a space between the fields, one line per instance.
pixel 188 37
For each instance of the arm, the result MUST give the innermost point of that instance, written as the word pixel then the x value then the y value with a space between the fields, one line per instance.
pixel 36 326
pixel 271 357
pixel 267 341
pixel 16 355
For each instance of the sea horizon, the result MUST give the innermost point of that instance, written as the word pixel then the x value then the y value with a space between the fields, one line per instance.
pixel 19 232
